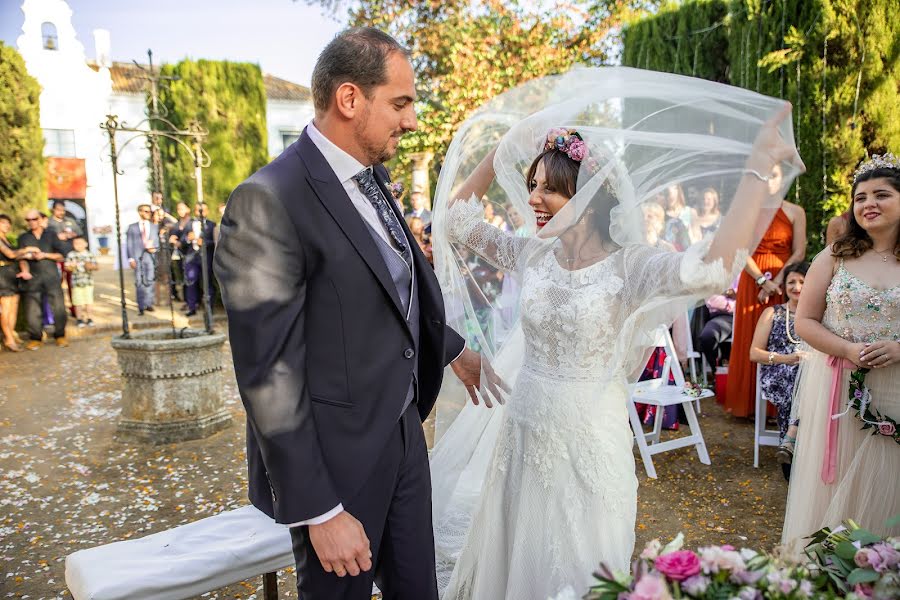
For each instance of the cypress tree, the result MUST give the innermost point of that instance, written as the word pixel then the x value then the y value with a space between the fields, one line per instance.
pixel 228 99
pixel 23 178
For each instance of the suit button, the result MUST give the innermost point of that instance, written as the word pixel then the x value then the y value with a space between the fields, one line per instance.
pixel 409 353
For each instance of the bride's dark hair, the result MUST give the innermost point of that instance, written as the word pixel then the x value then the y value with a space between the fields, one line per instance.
pixel 562 177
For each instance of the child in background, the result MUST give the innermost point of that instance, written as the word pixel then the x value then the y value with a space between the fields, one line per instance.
pixel 81 263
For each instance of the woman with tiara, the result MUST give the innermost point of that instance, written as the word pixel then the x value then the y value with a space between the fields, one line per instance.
pixel 847 458
pixel 530 497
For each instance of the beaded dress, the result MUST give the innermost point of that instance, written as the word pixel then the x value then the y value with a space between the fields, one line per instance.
pixel 866 485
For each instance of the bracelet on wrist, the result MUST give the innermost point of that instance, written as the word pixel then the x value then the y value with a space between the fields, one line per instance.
pixel 771 358
pixel 758 175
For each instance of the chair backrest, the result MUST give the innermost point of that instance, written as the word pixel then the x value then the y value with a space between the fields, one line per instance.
pixel 671 366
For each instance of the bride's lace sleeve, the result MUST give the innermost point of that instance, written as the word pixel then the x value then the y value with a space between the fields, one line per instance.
pixel 653 273
pixel 466 226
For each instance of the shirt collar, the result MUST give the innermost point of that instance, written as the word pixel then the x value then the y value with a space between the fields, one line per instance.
pixel 343 165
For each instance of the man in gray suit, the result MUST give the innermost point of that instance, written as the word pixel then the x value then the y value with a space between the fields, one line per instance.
pixel 141 245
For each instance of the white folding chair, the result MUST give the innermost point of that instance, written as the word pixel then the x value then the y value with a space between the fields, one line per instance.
pixel 761 435
pixel 658 392
pixel 692 355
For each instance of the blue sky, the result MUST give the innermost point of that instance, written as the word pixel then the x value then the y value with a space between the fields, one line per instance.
pixel 284 37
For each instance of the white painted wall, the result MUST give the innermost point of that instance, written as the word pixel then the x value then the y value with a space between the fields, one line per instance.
pixel 76 97
pixel 285 116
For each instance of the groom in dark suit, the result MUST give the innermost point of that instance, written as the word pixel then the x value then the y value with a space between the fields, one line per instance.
pixel 338 335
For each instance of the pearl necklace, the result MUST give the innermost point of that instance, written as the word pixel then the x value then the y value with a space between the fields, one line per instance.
pixel 787 325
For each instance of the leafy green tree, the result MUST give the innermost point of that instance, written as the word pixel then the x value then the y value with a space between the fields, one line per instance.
pixel 23 178
pixel 228 99
pixel 464 53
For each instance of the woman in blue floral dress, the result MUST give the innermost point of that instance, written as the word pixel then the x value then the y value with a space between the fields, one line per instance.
pixel 774 347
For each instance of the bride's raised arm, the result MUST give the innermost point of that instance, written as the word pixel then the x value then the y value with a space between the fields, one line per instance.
pixel 737 228
pixel 466 224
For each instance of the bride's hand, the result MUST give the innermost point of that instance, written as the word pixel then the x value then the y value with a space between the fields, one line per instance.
pixel 468 368
pixel 770 148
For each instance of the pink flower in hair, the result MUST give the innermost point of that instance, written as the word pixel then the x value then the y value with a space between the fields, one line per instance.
pixel 577 150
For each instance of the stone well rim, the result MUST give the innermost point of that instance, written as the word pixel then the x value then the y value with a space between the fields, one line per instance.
pixel 160 339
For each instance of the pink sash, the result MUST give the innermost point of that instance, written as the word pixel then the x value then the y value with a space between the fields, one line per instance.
pixel 829 461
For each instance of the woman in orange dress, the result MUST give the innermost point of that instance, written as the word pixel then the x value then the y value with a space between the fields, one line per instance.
pixel 761 286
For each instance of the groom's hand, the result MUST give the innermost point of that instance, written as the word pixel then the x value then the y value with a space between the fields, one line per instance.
pixel 341 545
pixel 468 368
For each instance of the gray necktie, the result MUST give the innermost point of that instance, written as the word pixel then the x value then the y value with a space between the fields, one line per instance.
pixel 369 187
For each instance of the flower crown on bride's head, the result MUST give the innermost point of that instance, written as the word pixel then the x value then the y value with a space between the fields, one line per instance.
pixel 570 143
pixel 567 141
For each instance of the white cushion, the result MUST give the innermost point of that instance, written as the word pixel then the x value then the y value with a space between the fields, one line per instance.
pixel 183 562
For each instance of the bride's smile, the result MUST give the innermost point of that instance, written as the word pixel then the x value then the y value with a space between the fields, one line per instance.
pixel 545 197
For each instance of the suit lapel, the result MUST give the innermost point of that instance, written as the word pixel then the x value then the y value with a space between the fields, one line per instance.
pixel 335 200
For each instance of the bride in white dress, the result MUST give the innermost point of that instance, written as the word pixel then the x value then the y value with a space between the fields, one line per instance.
pixel 530 497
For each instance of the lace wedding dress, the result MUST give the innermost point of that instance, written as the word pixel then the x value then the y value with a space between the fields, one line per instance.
pixel 550 491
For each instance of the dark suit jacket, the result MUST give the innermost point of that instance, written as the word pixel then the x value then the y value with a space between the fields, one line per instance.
pixel 322 351
pixel 209 238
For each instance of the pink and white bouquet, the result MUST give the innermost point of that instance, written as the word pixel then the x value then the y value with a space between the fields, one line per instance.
pixel 848 562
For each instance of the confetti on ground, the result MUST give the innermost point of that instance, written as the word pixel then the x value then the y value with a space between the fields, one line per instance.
pixel 67 484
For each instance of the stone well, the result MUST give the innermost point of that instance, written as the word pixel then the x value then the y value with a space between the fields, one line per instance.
pixel 172 386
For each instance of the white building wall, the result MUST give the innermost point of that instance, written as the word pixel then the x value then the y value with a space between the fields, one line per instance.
pixel 285 117
pixel 76 97
pixel 73 96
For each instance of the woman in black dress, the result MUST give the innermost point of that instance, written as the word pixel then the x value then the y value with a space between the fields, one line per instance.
pixel 9 284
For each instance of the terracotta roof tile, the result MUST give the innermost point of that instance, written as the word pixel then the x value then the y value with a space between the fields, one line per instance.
pixel 128 79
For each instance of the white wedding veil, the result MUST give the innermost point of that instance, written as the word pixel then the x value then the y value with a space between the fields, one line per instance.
pixel 653 142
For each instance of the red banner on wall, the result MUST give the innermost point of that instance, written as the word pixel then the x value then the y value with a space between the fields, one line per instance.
pixel 66 178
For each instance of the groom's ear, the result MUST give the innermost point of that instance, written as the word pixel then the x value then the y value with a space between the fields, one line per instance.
pixel 349 100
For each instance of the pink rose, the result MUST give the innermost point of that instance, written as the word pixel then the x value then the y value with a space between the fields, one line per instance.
pixel 889 555
pixel 678 565
pixel 577 150
pixel 863 590
pixel 650 587
pixel 861 558
pixel 887 428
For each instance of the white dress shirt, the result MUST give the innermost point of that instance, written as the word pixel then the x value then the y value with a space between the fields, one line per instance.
pixel 346 167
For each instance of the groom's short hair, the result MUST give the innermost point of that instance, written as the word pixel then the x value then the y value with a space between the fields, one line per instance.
pixel 358 56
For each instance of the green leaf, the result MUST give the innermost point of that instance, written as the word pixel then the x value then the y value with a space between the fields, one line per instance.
pixel 846 550
pixel 865 537
pixel 862 576
pixel 893 522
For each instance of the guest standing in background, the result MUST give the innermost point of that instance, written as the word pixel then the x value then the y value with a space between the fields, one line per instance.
pixel 45 280
pixel 81 264
pixel 760 286
pixel 177 232
pixel 141 244
pixel 12 270
pixel 848 315
pixel 682 228
pixel 199 233
pixel 837 227
pixel 66 229
pixel 417 200
pixel 708 215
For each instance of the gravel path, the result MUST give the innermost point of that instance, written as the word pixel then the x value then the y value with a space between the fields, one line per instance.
pixel 66 484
